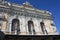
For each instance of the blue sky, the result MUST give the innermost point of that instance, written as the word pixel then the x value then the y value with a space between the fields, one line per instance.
pixel 52 5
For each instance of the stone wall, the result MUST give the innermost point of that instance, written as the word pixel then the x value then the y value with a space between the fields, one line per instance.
pixel 23 20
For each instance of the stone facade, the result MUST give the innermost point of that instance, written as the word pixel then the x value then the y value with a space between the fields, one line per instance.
pixel 25 13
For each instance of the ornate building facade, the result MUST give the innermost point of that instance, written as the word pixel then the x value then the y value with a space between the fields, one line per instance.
pixel 24 19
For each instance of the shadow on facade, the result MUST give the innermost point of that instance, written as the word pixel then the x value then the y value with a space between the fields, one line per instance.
pixel 2 35
pixel 32 37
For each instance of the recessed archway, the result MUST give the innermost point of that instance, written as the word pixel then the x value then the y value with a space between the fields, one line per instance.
pixel 15 28
pixel 31 27
pixel 43 27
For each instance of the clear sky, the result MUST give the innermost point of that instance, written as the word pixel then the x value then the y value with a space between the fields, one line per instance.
pixel 51 5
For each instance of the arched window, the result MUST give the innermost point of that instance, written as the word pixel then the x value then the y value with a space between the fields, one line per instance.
pixel 43 27
pixel 15 26
pixel 31 27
